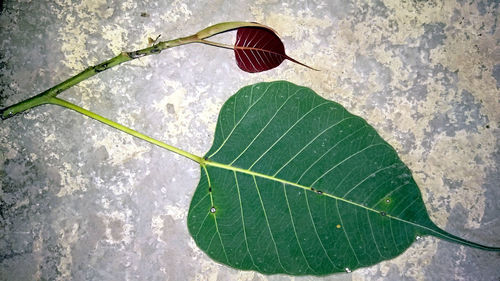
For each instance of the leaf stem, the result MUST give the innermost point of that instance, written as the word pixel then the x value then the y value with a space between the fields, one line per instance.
pixel 66 104
pixel 45 96
pixel 217 44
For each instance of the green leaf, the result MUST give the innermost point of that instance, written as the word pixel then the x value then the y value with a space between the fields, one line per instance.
pixel 295 184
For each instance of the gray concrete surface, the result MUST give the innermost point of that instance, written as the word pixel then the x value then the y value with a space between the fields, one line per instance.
pixel 81 201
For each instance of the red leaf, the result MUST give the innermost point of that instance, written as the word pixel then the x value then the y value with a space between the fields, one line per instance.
pixel 259 49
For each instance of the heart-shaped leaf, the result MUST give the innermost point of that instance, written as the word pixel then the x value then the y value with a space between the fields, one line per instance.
pixel 258 49
pixel 295 184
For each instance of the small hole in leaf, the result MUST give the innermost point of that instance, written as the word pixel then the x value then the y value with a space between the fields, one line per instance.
pixel 348 270
pixel 212 210
pixel 388 200
pixel 383 214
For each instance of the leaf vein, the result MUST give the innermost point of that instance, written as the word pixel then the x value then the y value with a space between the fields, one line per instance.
pixel 363 180
pixel 295 231
pixel 373 234
pixel 285 133
pixel 241 119
pixel 344 160
pixel 263 128
pixel 267 223
pixel 309 143
pixel 243 221
pixel 316 231
pixel 326 152
pixel 344 230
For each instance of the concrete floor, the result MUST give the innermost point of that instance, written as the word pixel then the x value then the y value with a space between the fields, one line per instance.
pixel 81 201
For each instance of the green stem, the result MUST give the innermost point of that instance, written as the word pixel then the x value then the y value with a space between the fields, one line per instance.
pixel 45 97
pixel 66 104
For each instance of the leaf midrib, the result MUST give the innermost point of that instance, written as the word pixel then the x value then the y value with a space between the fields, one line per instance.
pixel 208 162
pixel 211 163
pixel 428 230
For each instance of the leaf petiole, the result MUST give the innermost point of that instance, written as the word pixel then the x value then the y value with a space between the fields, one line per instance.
pixel 216 44
pixel 66 104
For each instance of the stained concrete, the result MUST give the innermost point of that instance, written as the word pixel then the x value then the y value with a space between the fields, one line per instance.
pixel 81 201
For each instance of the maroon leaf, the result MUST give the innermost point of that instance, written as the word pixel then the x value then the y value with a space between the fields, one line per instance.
pixel 259 49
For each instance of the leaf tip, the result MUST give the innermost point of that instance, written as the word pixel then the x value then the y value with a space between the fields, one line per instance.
pixel 303 64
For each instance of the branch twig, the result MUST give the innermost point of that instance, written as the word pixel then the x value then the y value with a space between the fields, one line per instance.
pixel 46 96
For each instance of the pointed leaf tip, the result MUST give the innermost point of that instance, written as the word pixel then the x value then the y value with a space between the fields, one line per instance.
pixel 259 49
